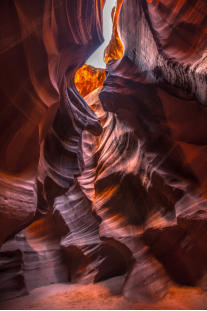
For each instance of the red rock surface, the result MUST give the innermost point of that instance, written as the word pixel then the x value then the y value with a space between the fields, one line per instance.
pixel 158 89
pixel 42 114
pixel 40 52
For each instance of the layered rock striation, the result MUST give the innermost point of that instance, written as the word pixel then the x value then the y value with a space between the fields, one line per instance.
pixel 42 45
pixel 158 88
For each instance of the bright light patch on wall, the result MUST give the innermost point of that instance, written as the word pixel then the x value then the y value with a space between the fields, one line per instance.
pixel 97 58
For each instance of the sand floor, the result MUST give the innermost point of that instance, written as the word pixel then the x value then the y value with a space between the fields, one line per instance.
pixel 103 295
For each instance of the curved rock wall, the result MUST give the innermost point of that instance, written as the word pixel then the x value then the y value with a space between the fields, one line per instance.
pixel 42 45
pixel 169 38
pixel 158 89
pixel 161 113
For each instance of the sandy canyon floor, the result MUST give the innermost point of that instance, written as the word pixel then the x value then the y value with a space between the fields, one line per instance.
pixel 103 295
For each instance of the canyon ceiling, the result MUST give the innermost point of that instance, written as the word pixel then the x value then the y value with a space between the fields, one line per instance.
pixel 103 172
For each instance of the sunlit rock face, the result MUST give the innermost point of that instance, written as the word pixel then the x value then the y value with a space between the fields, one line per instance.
pixel 115 48
pixel 88 78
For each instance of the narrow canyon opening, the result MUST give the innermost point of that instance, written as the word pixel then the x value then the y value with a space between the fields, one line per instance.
pixel 103 200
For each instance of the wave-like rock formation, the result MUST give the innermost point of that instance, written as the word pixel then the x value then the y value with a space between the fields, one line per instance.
pixel 90 259
pixel 32 258
pixel 142 89
pixel 43 43
pixel 112 180
pixel 158 89
pixel 114 183
pixel 42 48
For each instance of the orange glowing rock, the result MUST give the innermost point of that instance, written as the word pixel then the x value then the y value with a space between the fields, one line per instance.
pixel 88 78
pixel 115 48
pixel 156 1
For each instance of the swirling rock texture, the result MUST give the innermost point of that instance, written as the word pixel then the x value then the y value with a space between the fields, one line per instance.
pixel 111 180
pixel 158 89
pixel 41 49
pixel 31 259
pixel 43 43
pixel 114 183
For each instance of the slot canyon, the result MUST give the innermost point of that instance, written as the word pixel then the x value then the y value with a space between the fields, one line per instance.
pixel 103 194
